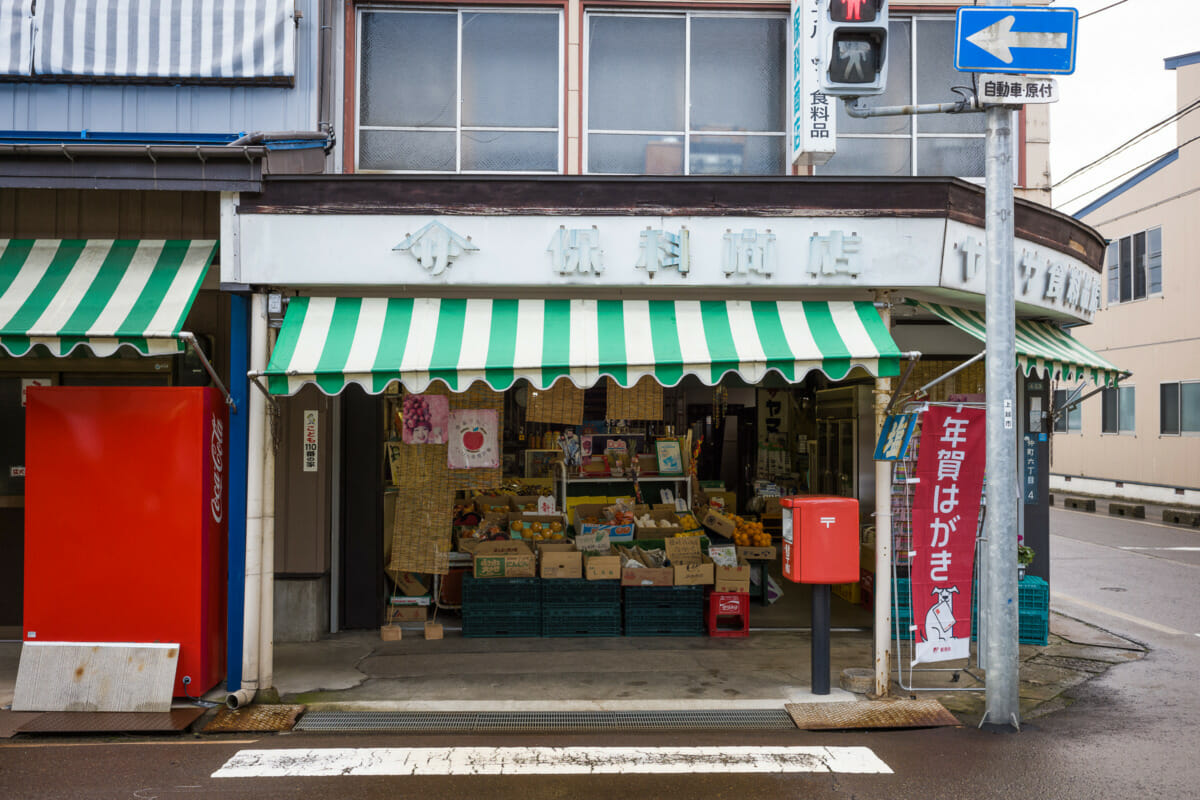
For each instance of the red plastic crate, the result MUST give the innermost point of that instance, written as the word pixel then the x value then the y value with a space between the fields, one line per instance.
pixel 728 614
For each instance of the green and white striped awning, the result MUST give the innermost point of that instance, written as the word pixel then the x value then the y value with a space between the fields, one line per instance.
pixel 1041 346
pixel 102 294
pixel 373 342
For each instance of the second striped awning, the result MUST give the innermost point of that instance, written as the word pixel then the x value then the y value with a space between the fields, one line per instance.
pixel 373 342
pixel 1040 346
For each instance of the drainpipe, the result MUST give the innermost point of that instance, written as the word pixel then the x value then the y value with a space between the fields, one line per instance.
pixel 883 526
pixel 256 438
pixel 266 630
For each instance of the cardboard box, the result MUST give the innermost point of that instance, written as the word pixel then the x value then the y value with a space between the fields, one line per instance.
pixel 758 553
pixel 528 518
pixel 601 568
pixel 771 507
pixel 491 505
pixel 433 630
pixel 723 500
pixel 390 633
pixel 560 560
pixel 410 585
pixel 732 579
pixel 397 615
pixel 866 558
pixel 522 503
pixel 690 566
pixel 644 576
pixel 616 533
pixel 511 559
pixel 719 523
pixel 648 464
pixel 659 532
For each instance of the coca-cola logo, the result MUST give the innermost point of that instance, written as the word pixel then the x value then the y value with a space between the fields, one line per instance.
pixel 217 451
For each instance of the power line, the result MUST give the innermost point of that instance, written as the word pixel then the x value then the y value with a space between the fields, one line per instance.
pixel 1106 8
pixel 1130 171
pixel 1180 113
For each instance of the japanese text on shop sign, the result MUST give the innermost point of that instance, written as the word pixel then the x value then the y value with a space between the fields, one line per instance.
pixel 310 441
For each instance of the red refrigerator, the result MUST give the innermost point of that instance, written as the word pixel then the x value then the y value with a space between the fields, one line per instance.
pixel 125 521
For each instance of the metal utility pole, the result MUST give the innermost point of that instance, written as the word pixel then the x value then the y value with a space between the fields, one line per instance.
pixel 998 606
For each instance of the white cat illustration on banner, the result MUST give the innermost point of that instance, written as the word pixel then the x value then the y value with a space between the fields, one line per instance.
pixel 474 439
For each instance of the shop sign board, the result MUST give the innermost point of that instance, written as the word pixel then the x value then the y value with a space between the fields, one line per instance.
pixel 945 520
pixel 1044 278
pixel 813 132
pixel 531 251
pixel 895 436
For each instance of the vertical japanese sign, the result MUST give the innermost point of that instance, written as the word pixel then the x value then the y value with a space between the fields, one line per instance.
pixel 812 133
pixel 310 440
pixel 945 517
pixel 1029 471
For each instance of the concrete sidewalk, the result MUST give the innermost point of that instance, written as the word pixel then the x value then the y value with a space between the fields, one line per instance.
pixel 358 671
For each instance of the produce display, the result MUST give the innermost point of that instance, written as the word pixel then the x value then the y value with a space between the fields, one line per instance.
pixel 750 534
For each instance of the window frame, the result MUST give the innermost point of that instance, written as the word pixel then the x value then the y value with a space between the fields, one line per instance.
pixel 1123 273
pixel 459 128
pixel 1073 415
pixel 1110 395
pixel 1179 429
pixel 687 134
pixel 914 136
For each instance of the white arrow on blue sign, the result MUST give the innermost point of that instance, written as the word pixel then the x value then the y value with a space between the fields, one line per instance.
pixel 1015 39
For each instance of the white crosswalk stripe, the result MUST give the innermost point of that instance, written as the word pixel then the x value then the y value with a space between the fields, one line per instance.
pixel 299 762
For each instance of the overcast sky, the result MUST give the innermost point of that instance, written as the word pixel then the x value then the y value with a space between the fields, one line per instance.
pixel 1119 89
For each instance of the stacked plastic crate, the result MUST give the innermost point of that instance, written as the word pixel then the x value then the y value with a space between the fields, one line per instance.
pixel 1033 616
pixel 664 611
pixel 577 607
pixel 501 606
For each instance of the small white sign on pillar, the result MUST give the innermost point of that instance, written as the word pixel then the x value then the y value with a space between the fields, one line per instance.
pixel 311 432
pixel 812 133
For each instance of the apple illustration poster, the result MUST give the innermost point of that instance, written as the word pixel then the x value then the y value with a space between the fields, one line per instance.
pixel 474 439
pixel 425 418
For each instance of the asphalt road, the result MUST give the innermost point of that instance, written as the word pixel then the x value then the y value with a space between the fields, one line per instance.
pixel 1129 733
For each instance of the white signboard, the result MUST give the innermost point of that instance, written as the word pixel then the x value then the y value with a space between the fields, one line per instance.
pixel 1045 278
pixel 311 429
pixel 1017 90
pixel 813 129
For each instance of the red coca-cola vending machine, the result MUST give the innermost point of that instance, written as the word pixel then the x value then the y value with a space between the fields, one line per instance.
pixel 125 530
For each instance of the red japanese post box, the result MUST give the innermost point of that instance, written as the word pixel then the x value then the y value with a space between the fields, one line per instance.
pixel 820 539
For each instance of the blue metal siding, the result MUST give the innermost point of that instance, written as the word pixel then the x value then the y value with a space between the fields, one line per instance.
pixel 173 109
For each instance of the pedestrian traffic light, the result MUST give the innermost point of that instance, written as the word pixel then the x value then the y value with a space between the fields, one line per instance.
pixel 853 47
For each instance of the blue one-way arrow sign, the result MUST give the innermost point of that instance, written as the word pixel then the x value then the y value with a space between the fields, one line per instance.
pixel 1015 39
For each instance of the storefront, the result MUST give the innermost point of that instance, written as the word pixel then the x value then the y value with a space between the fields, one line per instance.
pixel 730 340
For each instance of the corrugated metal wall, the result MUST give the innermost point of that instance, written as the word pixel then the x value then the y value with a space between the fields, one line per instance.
pixel 172 109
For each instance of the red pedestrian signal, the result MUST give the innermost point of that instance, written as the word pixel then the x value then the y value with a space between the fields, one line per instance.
pixel 854 10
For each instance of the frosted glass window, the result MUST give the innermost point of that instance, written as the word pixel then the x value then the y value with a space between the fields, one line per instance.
pixel 646 114
pixel 460 91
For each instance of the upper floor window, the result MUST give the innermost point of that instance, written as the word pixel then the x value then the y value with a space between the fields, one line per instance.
pixel 920 70
pixel 1134 266
pixel 685 94
pixel 460 90
pixel 1117 410
pixel 1179 407
pixel 1072 418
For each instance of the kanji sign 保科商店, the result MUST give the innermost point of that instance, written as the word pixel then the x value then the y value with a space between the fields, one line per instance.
pixel 945 519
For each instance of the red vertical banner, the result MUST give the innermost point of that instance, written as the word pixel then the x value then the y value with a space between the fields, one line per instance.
pixel 945 518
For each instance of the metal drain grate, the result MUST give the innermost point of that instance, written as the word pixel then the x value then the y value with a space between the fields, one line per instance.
pixel 540 721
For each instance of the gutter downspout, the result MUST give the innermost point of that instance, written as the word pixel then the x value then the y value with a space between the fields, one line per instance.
pixel 266 630
pixel 255 456
pixel 883 526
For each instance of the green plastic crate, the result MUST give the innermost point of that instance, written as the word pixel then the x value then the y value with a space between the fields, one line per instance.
pixel 580 592
pixel 567 622
pixel 501 623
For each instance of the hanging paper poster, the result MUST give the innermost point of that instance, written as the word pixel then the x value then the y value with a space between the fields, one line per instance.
pixel 425 418
pixel 474 437
pixel 945 519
